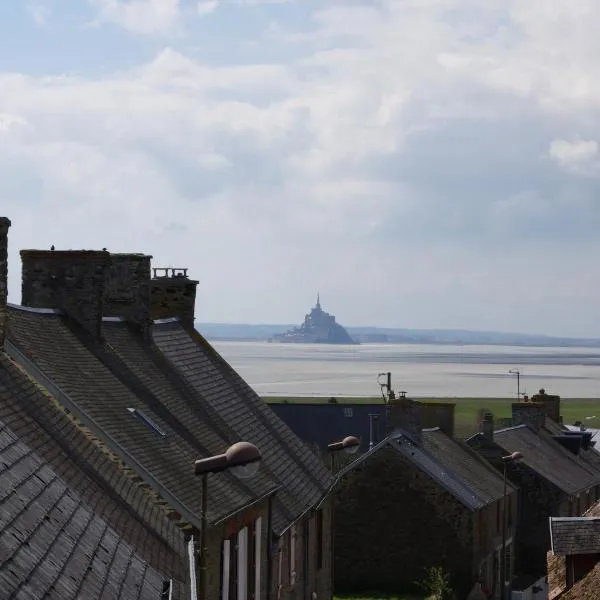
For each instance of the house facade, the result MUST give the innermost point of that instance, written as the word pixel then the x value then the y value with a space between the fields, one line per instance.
pixel 417 500
pixel 552 479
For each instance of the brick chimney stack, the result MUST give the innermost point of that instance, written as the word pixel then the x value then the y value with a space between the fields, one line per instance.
pixel 405 414
pixel 173 294
pixel 487 427
pixel 551 404
pixel 4 226
pixel 529 413
pixel 127 289
pixel 69 280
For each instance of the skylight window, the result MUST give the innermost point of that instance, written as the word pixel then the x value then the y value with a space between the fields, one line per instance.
pixel 147 421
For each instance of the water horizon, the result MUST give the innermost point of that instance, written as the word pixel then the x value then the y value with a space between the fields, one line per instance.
pixel 422 370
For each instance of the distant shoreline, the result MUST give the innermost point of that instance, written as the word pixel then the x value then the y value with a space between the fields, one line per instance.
pixel 232 332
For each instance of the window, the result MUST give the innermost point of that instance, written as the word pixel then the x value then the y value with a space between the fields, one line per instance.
pixel 508 563
pixel 147 421
pixel 257 557
pixel 225 569
pixel 509 510
pixel 242 564
pixel 293 555
pixel 320 539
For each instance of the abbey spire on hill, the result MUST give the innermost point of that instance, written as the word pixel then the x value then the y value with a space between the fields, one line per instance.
pixel 319 327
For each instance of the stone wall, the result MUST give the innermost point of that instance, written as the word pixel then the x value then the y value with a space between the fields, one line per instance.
pixel 127 288
pixel 392 523
pixel 70 280
pixel 557 575
pixel 173 297
pixel 4 226
pixel 300 579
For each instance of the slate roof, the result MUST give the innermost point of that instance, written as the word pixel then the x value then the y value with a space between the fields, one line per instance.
pixel 466 464
pixel 300 473
pixel 548 458
pixel 575 535
pixel 66 529
pixel 448 463
pixel 99 386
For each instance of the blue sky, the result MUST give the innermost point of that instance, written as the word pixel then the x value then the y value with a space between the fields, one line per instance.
pixel 429 163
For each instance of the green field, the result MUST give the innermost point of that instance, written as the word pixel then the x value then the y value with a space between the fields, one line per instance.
pixel 467 409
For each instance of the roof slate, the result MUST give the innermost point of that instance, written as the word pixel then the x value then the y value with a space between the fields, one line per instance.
pixel 548 458
pixel 302 474
pixel 64 531
pixel 465 464
pixel 575 535
pixel 453 466
pixel 101 385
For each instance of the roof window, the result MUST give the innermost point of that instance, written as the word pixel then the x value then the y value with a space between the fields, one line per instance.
pixel 147 421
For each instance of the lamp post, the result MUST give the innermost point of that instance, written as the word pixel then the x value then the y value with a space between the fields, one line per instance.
pixel 242 459
pixel 518 374
pixel 505 460
pixel 349 445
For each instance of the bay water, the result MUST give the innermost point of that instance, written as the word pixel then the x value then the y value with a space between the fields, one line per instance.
pixel 422 370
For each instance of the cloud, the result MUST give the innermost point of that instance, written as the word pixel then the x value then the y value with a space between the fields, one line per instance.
pixel 416 161
pixel 139 16
pixel 578 157
pixel 206 7
pixel 38 12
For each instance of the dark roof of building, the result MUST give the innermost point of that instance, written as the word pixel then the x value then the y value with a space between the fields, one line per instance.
pixel 465 463
pixel 575 535
pixel 73 524
pixel 447 462
pixel 93 380
pixel 320 424
pixel 300 472
pixel 548 458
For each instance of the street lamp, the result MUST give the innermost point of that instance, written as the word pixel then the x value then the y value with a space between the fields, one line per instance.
pixel 518 374
pixel 515 456
pixel 242 459
pixel 349 445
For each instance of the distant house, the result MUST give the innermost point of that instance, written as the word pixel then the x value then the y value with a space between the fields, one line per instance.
pixel 554 478
pixel 115 348
pixel 320 424
pixel 420 499
pixel 574 556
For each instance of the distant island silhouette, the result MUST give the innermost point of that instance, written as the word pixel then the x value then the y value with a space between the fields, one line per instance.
pixel 319 327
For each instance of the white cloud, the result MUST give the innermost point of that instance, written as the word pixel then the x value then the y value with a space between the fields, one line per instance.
pixel 39 12
pixel 206 7
pixel 395 163
pixel 139 16
pixel 568 153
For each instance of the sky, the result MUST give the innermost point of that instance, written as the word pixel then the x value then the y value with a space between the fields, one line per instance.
pixel 421 163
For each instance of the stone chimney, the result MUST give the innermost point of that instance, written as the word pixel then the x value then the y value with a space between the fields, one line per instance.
pixel 405 414
pixel 487 427
pixel 173 294
pixel 127 289
pixel 529 413
pixel 551 404
pixel 69 280
pixel 437 414
pixel 4 226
